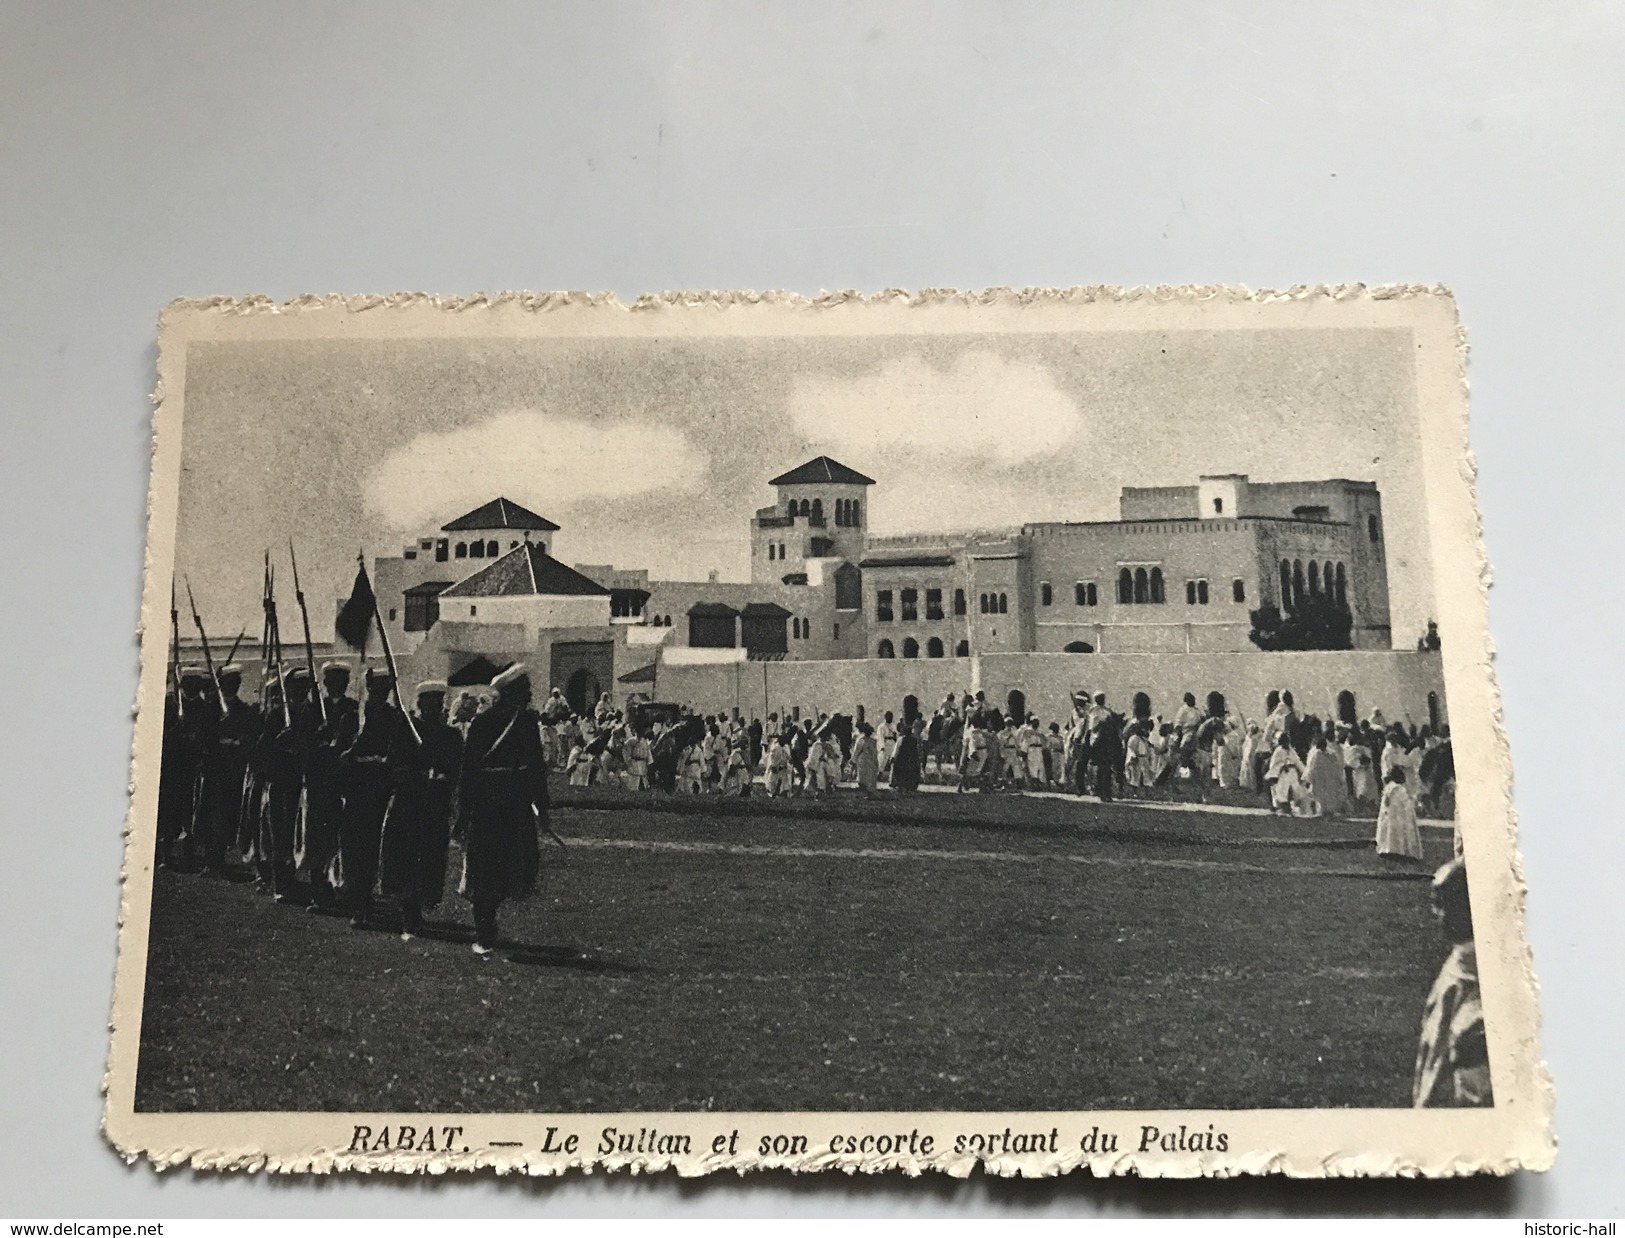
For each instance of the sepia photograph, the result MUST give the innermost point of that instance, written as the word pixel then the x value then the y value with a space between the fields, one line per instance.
pixel 725 706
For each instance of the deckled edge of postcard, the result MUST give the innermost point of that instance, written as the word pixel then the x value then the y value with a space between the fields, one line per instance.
pixel 1516 1134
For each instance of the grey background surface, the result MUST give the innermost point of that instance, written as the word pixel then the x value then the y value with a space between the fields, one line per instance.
pixel 153 151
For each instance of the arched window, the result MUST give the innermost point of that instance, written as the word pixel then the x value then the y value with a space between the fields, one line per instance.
pixel 817 510
pixel 476 550
pixel 1142 586
pixel 1158 593
pixel 885 650
pixel 933 647
pixel 1004 604
pixel 1298 593
pixel 959 601
pixel 1215 705
pixel 962 649
pixel 1286 584
pixel 911 648
pixel 461 550
pixel 1079 646
pixel 1314 579
pixel 1347 714
pixel 981 601
pixel 1046 595
pixel 1341 589
pixel 493 548
pixel 1125 586
pixel 1142 705
pixel 856 516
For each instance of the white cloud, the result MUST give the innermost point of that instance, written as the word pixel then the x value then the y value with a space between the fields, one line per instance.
pixel 539 459
pixel 984 407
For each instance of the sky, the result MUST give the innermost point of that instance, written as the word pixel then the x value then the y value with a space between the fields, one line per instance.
pixel 656 452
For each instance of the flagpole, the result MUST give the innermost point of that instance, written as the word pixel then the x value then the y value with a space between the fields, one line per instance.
pixel 304 617
pixel 389 654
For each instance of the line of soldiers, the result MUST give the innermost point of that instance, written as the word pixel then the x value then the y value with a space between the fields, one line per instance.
pixel 331 801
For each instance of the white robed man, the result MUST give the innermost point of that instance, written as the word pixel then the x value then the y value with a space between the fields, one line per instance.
pixel 1452 1060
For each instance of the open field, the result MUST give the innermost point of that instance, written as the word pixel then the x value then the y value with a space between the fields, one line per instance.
pixel 938 953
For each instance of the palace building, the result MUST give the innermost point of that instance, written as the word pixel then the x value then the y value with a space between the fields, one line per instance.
pixel 1178 572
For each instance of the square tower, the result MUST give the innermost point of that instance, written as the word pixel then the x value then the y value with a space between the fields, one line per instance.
pixel 822 512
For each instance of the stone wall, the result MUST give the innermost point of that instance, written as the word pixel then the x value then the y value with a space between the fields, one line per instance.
pixel 1398 682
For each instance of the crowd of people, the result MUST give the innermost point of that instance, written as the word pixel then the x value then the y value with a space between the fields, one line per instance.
pixel 1291 761
pixel 335 802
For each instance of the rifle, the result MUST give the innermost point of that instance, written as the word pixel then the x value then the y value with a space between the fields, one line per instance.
pixel 234 644
pixel 389 656
pixel 275 630
pixel 265 625
pixel 175 647
pixel 304 618
pixel 208 658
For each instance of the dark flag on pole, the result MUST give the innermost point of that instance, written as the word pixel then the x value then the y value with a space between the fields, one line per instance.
pixel 354 622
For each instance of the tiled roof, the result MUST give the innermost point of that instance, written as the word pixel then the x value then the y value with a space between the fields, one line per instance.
pixel 711 608
pixel 500 514
pixel 526 571
pixel 822 469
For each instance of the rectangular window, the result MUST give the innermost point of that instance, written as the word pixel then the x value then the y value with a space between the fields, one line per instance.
pixel 391 617
pixel 426 543
pixel 1190 593
pixel 883 606
pixel 837 631
pixel 442 548
pixel 473 610
pixel 1238 589
pixel 911 605
pixel 410 554
pixel 933 603
pixel 1046 595
pixel 1201 593
pixel 1196 593
pixel 1084 593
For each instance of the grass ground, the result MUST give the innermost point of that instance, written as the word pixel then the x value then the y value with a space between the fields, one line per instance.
pixel 942 953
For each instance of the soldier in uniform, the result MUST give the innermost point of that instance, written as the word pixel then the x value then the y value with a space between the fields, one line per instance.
pixel 186 711
pixel 230 739
pixel 417 831
pixel 367 790
pixel 284 752
pixel 324 784
pixel 251 828
pixel 503 795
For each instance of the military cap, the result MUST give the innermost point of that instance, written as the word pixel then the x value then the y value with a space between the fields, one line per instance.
pixel 379 674
pixel 335 668
pixel 431 687
pixel 194 675
pixel 232 670
pixel 295 673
